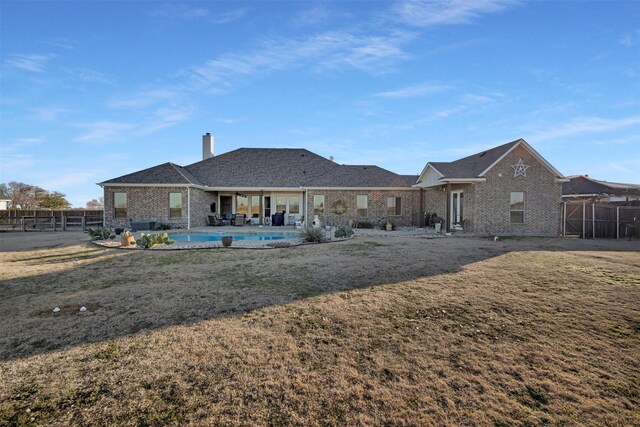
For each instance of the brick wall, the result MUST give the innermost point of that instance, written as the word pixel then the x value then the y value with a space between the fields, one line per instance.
pixel 152 204
pixel 486 204
pixel 377 206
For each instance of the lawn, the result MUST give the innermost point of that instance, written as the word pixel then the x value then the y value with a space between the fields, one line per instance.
pixel 372 331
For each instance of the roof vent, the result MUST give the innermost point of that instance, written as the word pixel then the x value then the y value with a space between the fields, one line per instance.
pixel 482 154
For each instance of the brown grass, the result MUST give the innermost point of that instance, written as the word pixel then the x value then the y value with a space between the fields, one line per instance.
pixel 373 331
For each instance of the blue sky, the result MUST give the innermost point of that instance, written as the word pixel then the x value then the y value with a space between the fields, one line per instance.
pixel 93 90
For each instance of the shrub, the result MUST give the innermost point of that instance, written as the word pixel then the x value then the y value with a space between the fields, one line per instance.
pixel 148 240
pixel 312 234
pixel 102 233
pixel 343 231
pixel 364 224
pixel 160 226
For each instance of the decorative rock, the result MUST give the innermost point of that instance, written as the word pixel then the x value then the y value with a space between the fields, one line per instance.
pixel 83 308
pixel 57 309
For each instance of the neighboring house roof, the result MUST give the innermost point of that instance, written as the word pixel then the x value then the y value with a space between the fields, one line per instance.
pixel 267 168
pixel 166 173
pixel 580 185
pixel 476 166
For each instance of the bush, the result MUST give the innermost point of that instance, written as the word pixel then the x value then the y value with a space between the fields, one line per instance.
pixel 312 234
pixel 343 231
pixel 364 224
pixel 160 226
pixel 102 233
pixel 148 240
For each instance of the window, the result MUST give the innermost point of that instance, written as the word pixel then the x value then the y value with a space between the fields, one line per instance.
pixel 517 207
pixel 294 205
pixel 281 204
pixel 120 205
pixel 318 204
pixel 363 205
pixel 242 205
pixel 394 206
pixel 175 205
pixel 255 206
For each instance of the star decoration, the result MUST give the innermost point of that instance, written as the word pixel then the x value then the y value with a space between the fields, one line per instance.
pixel 519 169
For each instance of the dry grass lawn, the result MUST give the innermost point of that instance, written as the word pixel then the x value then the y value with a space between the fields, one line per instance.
pixel 372 331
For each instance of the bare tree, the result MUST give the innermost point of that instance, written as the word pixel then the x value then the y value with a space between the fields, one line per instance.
pixel 23 196
pixel 96 203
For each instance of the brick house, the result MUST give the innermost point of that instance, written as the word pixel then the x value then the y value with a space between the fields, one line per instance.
pixel 507 190
pixel 582 187
pixel 259 182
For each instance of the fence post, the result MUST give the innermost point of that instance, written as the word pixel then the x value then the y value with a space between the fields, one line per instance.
pixel 24 226
pixel 84 223
pixel 584 220
pixel 618 222
pixel 593 220
pixel 64 222
pixel 564 222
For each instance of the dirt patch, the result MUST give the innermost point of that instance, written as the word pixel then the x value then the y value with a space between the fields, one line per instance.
pixel 372 331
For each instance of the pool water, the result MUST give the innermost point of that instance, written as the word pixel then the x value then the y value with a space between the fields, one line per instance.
pixel 211 237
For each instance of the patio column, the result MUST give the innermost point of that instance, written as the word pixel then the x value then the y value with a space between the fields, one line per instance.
pixel 448 218
pixel 261 215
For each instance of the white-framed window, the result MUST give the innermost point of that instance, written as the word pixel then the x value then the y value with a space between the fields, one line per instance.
pixel 394 206
pixel 294 205
pixel 175 205
pixel 362 203
pixel 120 203
pixel 318 204
pixel 242 205
pixel 281 204
pixel 516 207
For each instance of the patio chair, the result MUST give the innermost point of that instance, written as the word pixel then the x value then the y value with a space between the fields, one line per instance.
pixel 214 221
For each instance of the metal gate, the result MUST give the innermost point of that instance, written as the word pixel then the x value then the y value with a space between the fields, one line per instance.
pixel 591 220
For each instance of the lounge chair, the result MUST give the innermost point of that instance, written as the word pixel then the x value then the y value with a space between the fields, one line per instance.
pixel 214 220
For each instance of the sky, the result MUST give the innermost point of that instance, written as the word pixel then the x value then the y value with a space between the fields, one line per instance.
pixel 93 90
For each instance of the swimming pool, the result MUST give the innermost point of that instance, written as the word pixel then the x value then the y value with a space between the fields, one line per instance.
pixel 216 237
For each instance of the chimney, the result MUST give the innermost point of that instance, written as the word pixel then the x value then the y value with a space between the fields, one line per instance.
pixel 207 146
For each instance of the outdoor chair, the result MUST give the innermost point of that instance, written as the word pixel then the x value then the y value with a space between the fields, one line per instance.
pixel 214 221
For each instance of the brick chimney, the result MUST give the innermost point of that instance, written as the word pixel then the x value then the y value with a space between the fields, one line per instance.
pixel 207 146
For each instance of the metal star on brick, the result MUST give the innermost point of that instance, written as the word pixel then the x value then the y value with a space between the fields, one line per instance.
pixel 519 169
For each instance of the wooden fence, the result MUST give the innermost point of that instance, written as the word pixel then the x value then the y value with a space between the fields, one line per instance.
pixel 591 220
pixel 40 219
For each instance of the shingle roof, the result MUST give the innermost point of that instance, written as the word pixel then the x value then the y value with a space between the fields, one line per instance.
pixel 166 173
pixel 262 167
pixel 268 168
pixel 363 176
pixel 472 166
pixel 585 185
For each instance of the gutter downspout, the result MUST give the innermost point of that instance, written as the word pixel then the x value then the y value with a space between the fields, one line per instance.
pixel 188 208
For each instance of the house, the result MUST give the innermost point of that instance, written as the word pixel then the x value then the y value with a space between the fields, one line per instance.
pixel 582 187
pixel 507 190
pixel 4 201
pixel 259 182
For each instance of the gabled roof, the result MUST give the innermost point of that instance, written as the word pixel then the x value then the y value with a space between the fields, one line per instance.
pixel 262 167
pixel 476 166
pixel 166 173
pixel 267 168
pixel 585 186
pixel 346 176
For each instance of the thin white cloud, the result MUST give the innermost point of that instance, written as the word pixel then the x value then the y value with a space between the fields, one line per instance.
pixel 430 13
pixel 89 75
pixel 584 125
pixel 104 131
pixel 180 11
pixel 62 43
pixel 316 14
pixel 143 99
pixel 49 114
pixel 28 62
pixel 329 50
pixel 413 91
pixel 227 17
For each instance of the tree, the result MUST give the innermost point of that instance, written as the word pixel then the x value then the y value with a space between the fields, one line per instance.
pixel 96 203
pixel 23 196
pixel 27 196
pixel 52 200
